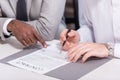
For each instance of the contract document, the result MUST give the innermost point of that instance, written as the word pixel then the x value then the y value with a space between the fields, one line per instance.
pixel 43 60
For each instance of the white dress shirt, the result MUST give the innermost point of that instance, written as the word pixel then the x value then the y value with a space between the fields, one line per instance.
pixel 100 22
pixel 5 31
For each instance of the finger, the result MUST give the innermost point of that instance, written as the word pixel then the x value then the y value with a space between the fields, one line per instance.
pixel 86 56
pixel 63 35
pixel 73 53
pixel 32 39
pixel 77 56
pixel 21 40
pixel 24 43
pixel 62 38
pixel 76 47
pixel 72 50
pixel 39 38
pixel 70 57
pixel 72 33
pixel 79 52
pixel 27 40
pixel 66 46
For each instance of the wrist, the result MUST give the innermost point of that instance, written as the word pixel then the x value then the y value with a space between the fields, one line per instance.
pixel 11 25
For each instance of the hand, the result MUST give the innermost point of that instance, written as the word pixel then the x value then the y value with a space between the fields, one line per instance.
pixel 25 33
pixel 86 50
pixel 72 40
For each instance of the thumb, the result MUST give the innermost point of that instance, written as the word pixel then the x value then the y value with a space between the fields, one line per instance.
pixel 72 34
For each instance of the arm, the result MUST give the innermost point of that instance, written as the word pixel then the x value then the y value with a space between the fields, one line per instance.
pixel 86 30
pixel 2 21
pixel 23 32
pixel 3 24
pixel 84 34
pixel 50 18
pixel 46 25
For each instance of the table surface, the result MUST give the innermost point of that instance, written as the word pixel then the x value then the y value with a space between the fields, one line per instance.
pixel 109 70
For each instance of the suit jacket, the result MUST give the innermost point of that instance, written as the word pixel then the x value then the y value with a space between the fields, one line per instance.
pixel 96 20
pixel 44 15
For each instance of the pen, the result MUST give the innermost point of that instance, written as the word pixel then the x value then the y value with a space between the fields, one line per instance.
pixel 65 40
pixel 66 37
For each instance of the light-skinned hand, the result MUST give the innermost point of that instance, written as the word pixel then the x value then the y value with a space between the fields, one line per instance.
pixel 72 40
pixel 87 50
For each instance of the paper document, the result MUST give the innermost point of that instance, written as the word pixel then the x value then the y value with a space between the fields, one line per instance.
pixel 43 60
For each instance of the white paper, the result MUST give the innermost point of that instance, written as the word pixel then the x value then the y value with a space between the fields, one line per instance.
pixel 42 61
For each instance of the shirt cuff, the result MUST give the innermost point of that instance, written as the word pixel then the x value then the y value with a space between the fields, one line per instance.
pixel 117 50
pixel 5 31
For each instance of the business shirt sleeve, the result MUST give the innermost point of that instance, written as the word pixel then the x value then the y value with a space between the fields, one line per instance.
pixel 3 26
pixel 86 30
pixel 2 21
pixel 5 31
pixel 116 52
pixel 50 18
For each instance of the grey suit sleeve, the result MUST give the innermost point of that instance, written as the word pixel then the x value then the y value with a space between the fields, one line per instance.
pixel 2 20
pixel 86 30
pixel 50 18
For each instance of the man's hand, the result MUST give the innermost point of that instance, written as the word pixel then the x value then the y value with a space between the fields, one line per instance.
pixel 72 40
pixel 25 33
pixel 86 50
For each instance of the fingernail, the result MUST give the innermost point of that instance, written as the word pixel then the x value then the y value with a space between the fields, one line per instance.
pixel 45 46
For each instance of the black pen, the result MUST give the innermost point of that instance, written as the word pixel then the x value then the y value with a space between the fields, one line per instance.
pixel 66 37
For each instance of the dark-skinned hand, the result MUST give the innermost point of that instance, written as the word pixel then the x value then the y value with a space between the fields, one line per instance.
pixel 25 33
